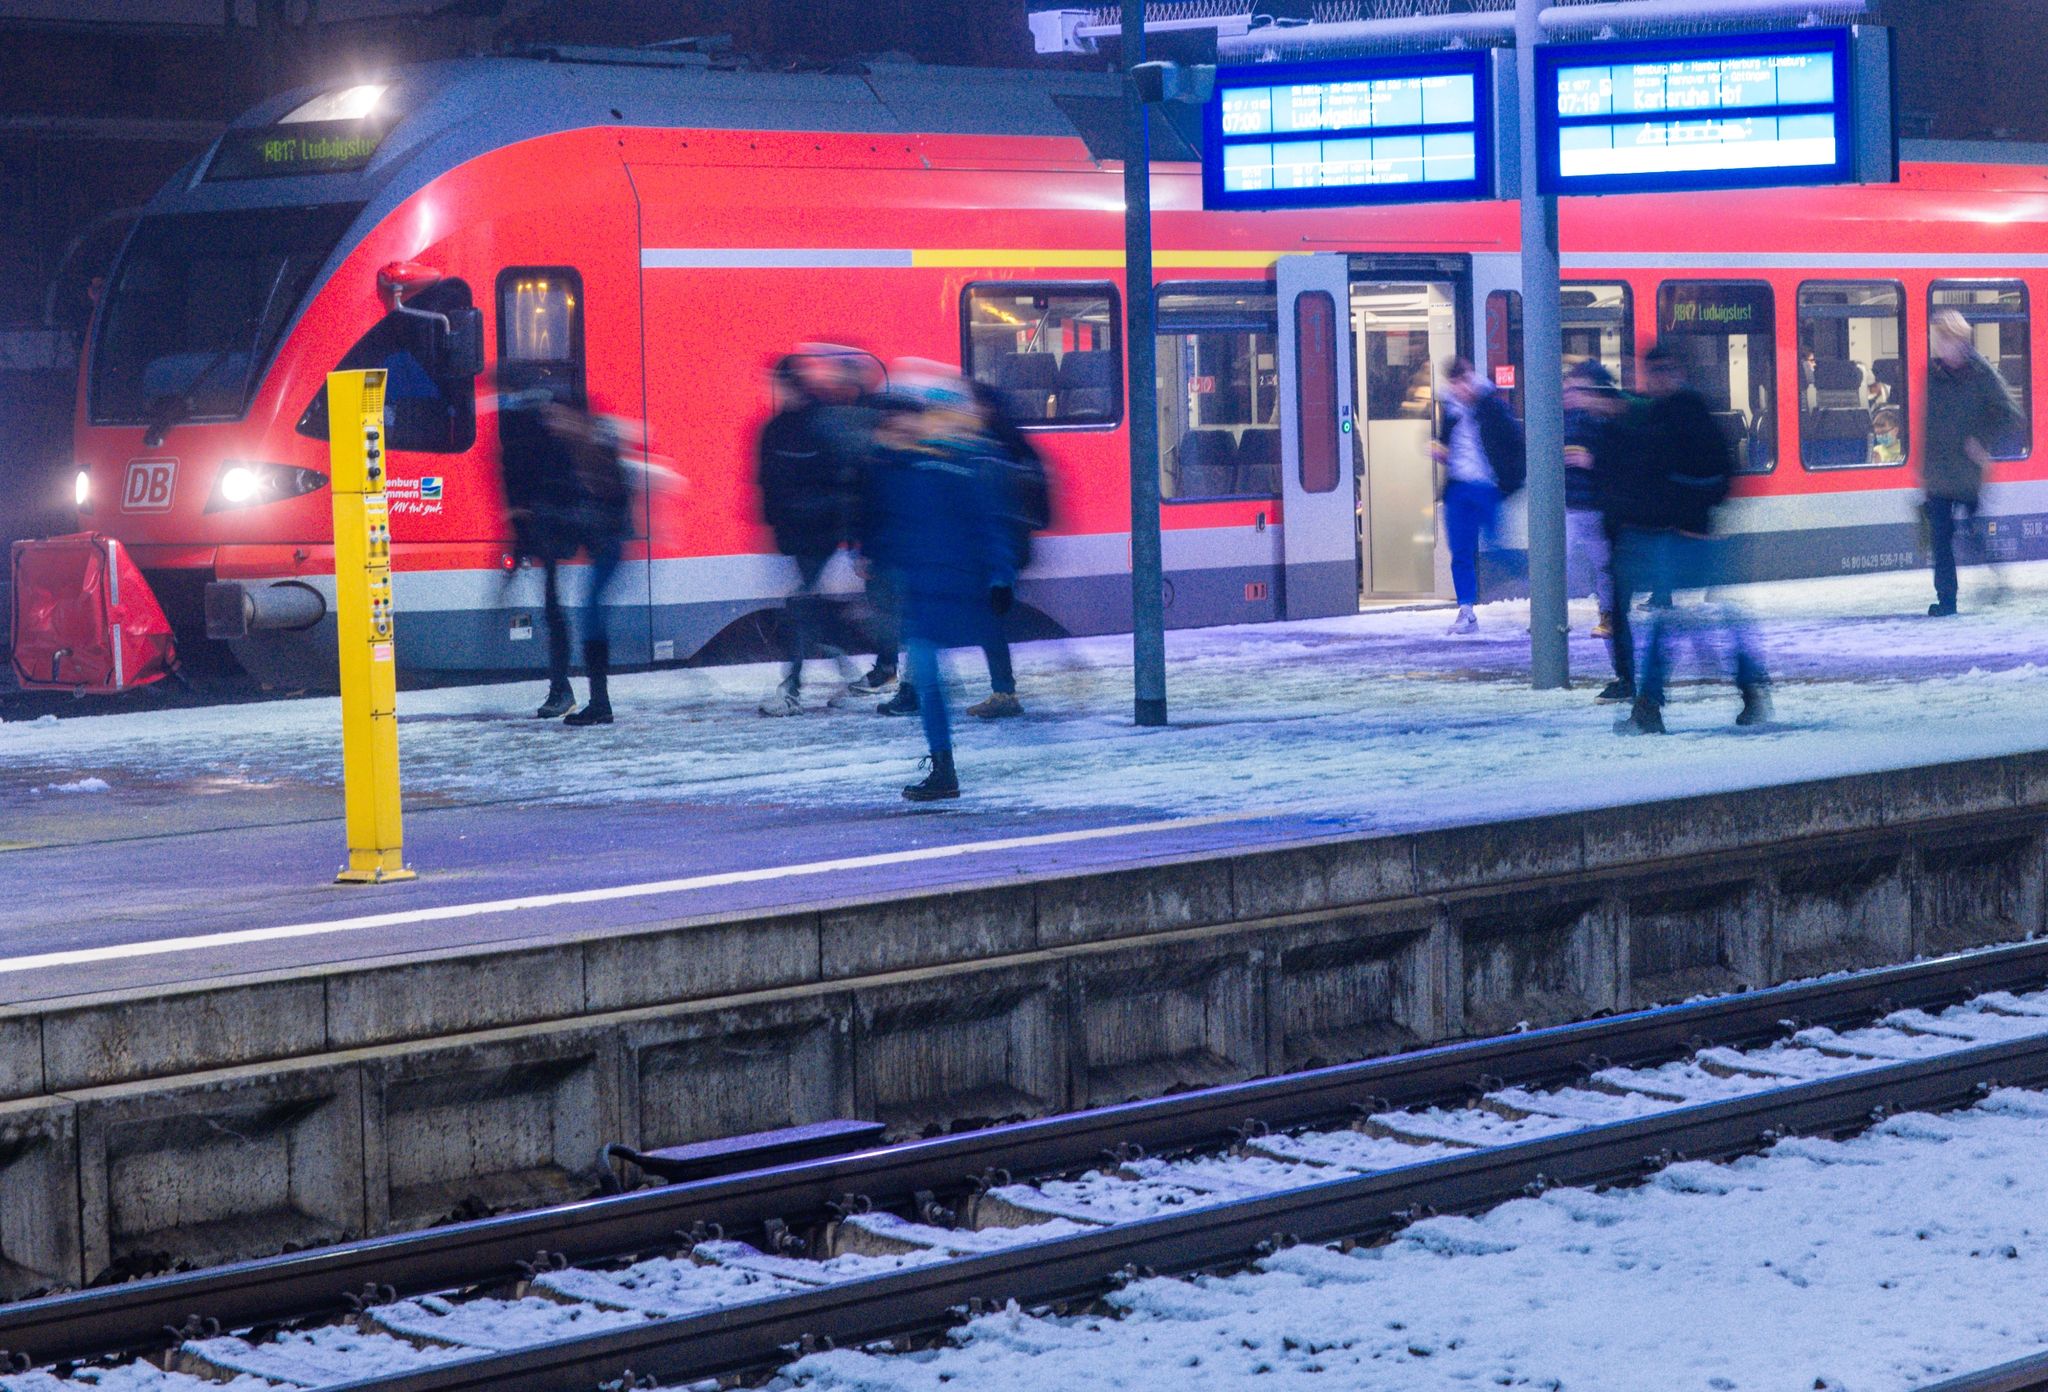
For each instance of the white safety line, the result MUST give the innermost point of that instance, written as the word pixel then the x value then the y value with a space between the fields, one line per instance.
pixel 446 912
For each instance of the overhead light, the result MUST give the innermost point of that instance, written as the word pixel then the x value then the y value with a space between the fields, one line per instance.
pixel 343 104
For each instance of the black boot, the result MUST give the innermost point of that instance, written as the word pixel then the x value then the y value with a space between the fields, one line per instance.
pixel 904 702
pixel 1756 706
pixel 561 700
pixel 1644 718
pixel 940 783
pixel 597 657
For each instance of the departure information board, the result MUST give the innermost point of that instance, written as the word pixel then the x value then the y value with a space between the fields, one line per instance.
pixel 1362 130
pixel 1739 111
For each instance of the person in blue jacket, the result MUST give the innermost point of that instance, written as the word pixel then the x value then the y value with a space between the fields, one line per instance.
pixel 936 523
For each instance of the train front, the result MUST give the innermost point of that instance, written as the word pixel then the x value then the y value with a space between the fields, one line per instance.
pixel 201 428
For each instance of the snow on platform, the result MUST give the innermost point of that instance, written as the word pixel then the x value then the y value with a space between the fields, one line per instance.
pixel 1877 1264
pixel 1378 719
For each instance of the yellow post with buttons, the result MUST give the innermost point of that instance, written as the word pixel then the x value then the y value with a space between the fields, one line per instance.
pixel 363 617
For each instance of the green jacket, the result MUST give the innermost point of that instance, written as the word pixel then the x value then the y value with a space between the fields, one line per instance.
pixel 1964 403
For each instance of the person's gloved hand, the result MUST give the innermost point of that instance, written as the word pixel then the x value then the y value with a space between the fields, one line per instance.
pixel 999 597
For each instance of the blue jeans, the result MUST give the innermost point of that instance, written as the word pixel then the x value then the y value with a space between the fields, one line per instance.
pixel 1670 561
pixel 1469 513
pixel 922 658
pixel 604 564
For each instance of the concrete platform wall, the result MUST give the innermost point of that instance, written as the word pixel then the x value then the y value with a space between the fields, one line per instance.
pixel 250 1115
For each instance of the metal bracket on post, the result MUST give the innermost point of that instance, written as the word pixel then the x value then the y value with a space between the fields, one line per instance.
pixel 365 623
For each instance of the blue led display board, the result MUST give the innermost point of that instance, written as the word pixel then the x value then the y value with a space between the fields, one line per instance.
pixel 1732 111
pixel 1359 130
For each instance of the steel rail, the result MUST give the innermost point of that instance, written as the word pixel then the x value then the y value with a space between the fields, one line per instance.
pixel 2020 1375
pixel 330 1280
pixel 687 1348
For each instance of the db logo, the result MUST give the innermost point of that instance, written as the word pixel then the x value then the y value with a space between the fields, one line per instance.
pixel 149 485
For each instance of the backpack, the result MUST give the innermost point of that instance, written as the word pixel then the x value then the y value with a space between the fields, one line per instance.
pixel 1507 450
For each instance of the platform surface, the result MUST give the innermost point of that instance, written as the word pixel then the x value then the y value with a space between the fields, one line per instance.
pixel 154 847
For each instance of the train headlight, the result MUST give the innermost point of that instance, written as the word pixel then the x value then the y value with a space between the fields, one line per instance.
pixel 250 485
pixel 238 485
pixel 81 490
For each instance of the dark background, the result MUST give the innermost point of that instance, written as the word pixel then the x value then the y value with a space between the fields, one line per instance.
pixel 101 101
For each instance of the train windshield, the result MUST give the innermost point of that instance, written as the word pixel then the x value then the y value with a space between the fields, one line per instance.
pixel 196 308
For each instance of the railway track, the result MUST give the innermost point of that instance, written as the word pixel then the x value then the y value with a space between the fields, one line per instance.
pixel 727 1275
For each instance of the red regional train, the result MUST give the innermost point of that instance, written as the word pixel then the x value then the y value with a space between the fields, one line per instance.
pixel 653 230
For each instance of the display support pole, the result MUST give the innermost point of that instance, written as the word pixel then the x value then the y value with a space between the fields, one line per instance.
pixel 1148 618
pixel 1542 384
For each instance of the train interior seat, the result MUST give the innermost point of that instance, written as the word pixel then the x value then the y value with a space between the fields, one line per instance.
pixel 1837 382
pixel 1087 385
pixel 1891 375
pixel 1026 382
pixel 1258 462
pixel 1836 435
pixel 1207 465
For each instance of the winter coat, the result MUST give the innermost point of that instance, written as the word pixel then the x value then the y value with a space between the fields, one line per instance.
pixel 1500 439
pixel 1675 466
pixel 937 522
pixel 1586 430
pixel 540 482
pixel 809 472
pixel 1964 403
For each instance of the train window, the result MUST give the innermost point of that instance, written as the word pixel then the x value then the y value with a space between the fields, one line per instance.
pixel 422 413
pixel 1050 350
pixel 1724 332
pixel 1219 391
pixel 1852 380
pixel 1598 318
pixel 1315 388
pixel 1997 314
pixel 540 323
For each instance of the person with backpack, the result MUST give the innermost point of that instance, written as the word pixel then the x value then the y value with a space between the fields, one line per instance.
pixel 540 505
pixel 1479 444
pixel 603 519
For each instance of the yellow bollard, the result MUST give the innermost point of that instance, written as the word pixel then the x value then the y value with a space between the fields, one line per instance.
pixel 363 617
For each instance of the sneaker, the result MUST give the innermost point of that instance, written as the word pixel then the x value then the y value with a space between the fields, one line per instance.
pixel 1616 691
pixel 1941 611
pixel 904 702
pixel 1642 719
pixel 560 701
pixel 878 680
pixel 937 785
pixel 1000 705
pixel 1756 706
pixel 783 702
pixel 1466 622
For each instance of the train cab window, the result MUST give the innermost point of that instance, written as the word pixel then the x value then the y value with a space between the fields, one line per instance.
pixel 1724 332
pixel 1997 315
pixel 1219 391
pixel 1050 351
pixel 423 412
pixel 1852 380
pixel 540 323
pixel 1598 319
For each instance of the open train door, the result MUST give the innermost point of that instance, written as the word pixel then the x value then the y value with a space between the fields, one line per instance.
pixel 1319 491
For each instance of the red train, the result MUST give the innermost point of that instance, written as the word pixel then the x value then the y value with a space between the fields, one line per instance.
pixel 654 230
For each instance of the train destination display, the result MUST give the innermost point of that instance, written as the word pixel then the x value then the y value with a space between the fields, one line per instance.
pixel 1731 112
pixel 1400 130
pixel 309 147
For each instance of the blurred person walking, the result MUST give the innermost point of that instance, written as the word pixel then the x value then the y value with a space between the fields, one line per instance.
pixel 539 479
pixel 1968 409
pixel 603 521
pixel 1664 501
pixel 939 530
pixel 1479 443
pixel 808 467
pixel 1595 434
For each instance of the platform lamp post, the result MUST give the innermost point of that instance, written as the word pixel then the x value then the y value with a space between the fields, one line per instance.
pixel 1542 381
pixel 1148 579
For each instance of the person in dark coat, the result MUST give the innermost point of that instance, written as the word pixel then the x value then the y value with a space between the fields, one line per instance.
pixel 1594 435
pixel 809 477
pixel 1479 444
pixel 541 505
pixel 1664 501
pixel 602 521
pixel 937 526
pixel 1968 409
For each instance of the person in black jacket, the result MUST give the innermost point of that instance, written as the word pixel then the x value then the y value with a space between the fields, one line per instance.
pixel 1968 411
pixel 1664 501
pixel 1479 444
pixel 1595 435
pixel 809 472
pixel 541 504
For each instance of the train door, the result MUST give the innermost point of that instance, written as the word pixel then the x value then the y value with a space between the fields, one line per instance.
pixel 1402 329
pixel 1318 538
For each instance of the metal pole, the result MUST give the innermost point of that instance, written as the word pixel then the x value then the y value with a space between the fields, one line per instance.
pixel 1148 620
pixel 1542 385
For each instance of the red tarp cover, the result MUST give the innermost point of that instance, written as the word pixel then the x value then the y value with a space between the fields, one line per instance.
pixel 84 618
